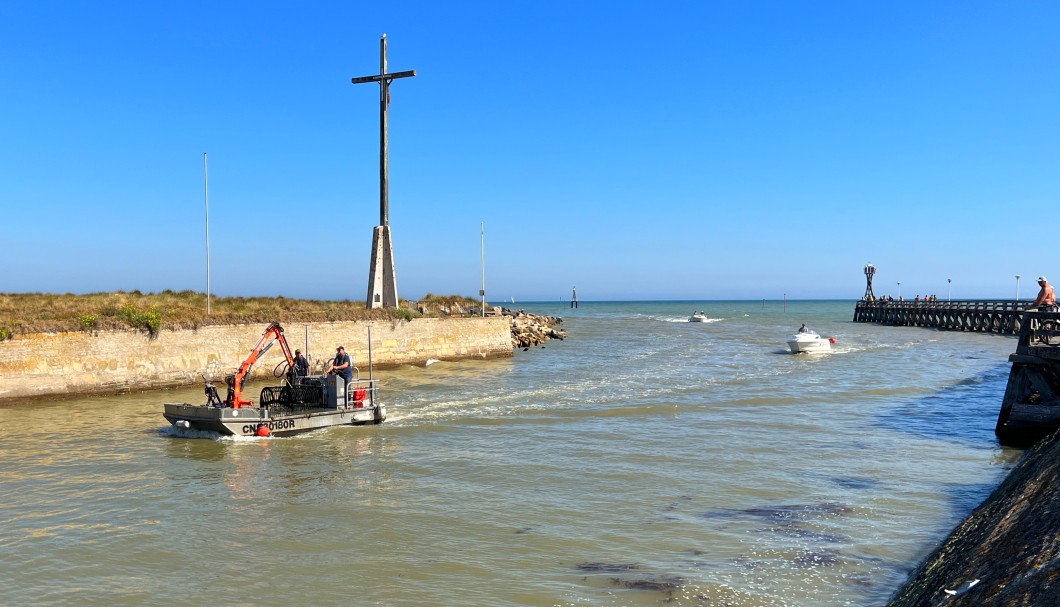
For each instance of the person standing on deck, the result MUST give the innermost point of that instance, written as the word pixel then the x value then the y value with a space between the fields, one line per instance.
pixel 301 365
pixel 1046 297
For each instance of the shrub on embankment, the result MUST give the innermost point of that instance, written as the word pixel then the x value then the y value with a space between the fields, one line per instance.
pixel 23 313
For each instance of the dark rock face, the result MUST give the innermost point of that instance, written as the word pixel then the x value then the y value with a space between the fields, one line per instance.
pixel 1010 544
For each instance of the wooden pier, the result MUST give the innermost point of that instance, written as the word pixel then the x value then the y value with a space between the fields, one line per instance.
pixel 979 315
pixel 1030 409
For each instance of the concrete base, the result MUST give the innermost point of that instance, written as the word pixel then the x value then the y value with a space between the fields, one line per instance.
pixel 382 279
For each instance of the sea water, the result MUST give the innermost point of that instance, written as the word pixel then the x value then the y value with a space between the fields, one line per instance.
pixel 644 460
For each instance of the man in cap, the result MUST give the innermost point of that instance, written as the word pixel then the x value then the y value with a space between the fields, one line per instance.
pixel 342 365
pixel 1046 297
pixel 301 365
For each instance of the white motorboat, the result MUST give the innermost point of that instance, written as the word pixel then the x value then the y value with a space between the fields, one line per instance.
pixel 697 316
pixel 810 341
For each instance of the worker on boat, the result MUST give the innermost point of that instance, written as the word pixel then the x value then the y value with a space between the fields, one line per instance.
pixel 804 328
pixel 1046 297
pixel 341 365
pixel 301 365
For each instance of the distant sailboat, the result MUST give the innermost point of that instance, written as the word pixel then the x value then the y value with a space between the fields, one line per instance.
pixel 513 300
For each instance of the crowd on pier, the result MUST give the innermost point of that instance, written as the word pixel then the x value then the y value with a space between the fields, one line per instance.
pixel 888 298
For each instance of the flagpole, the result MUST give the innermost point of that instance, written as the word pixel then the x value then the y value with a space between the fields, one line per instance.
pixel 482 246
pixel 206 199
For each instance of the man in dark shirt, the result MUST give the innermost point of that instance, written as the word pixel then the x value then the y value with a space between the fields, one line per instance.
pixel 342 364
pixel 301 365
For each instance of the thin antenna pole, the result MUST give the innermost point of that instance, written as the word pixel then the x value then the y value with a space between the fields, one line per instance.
pixel 206 198
pixel 482 246
pixel 371 376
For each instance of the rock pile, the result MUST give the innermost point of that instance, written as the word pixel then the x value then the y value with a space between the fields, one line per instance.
pixel 531 329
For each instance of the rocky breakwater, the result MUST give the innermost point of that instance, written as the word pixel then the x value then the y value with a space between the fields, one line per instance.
pixel 532 330
pixel 1007 552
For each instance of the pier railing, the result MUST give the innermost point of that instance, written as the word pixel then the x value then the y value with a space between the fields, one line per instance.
pixel 981 315
pixel 1040 336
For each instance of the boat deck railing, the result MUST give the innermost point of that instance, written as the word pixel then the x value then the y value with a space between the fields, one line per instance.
pixel 309 396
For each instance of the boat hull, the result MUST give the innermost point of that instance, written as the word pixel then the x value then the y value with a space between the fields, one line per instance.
pixel 809 344
pixel 245 421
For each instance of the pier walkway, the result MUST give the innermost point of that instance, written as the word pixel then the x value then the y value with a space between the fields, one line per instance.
pixel 1003 316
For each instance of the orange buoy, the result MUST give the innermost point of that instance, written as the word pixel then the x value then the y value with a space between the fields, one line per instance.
pixel 831 340
pixel 263 430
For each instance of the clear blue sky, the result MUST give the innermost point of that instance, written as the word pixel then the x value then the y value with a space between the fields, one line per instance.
pixel 636 150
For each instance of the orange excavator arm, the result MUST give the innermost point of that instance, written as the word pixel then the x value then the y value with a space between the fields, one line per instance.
pixel 273 334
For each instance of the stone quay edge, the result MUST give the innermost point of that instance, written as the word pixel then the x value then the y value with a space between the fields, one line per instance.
pixel 1006 553
pixel 112 362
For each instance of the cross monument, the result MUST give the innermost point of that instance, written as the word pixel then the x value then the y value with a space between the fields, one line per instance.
pixel 382 279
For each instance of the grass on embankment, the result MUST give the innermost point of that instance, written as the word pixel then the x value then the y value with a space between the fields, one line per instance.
pixel 22 313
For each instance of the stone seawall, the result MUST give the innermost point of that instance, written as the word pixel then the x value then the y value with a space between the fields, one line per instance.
pixel 45 364
pixel 1007 552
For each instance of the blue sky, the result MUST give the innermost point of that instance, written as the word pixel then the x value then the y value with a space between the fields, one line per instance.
pixel 636 150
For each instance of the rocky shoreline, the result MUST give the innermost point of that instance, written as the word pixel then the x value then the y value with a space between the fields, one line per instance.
pixel 530 330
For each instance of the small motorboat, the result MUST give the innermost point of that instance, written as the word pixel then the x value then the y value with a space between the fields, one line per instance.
pixel 697 316
pixel 810 341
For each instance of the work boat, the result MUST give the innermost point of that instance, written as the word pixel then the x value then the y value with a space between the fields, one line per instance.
pixel 810 341
pixel 697 317
pixel 299 404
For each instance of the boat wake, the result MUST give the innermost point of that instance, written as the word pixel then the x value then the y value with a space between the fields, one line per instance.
pixel 684 319
pixel 175 432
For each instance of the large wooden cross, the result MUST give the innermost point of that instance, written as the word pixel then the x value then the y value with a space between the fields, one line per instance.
pixel 382 278
pixel 384 80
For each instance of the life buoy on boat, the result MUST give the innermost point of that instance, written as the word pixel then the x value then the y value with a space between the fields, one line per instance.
pixel 358 397
pixel 263 430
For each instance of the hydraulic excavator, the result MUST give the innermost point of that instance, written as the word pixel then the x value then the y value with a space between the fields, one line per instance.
pixel 273 335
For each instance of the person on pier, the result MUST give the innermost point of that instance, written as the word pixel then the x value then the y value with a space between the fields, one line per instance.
pixel 1046 297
